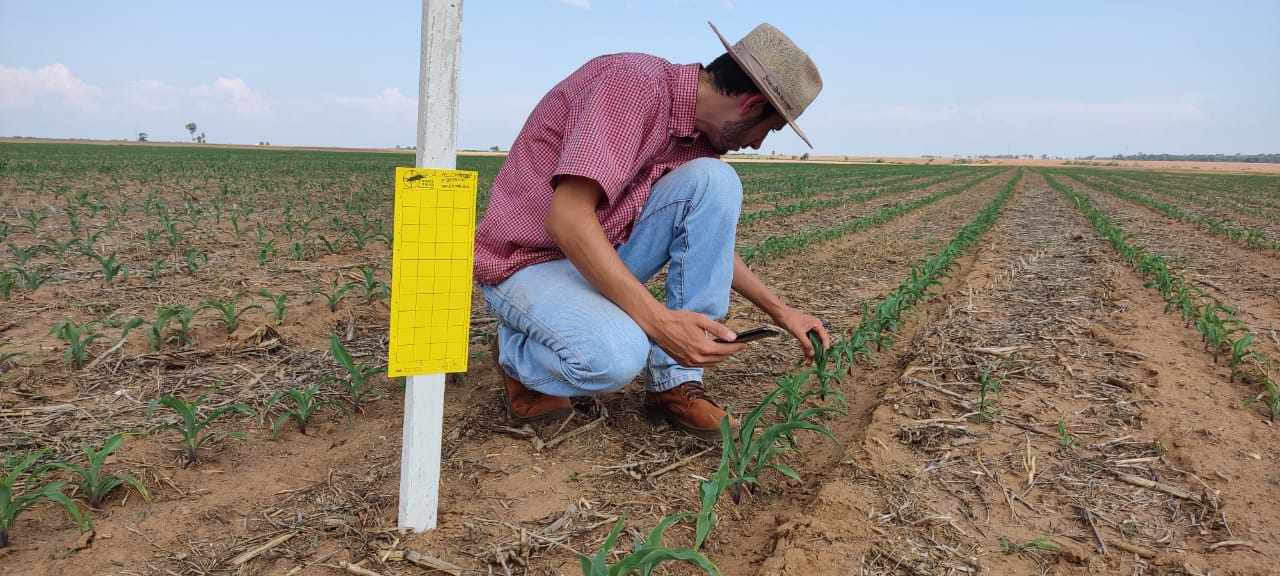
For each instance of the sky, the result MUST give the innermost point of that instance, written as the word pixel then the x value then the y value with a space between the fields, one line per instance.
pixel 902 78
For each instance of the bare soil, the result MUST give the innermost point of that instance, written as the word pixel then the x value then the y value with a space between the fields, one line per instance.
pixel 1041 414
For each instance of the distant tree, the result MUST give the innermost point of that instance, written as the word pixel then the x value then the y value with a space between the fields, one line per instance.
pixel 494 148
pixel 191 127
pixel 142 136
pixel 804 156
pixel 200 138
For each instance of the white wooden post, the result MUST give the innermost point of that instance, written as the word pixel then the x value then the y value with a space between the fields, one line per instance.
pixel 437 131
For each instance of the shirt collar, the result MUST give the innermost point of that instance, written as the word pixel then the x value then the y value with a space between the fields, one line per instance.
pixel 684 99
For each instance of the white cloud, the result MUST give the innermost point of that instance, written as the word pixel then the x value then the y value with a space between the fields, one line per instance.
pixel 388 105
pixel 584 4
pixel 233 95
pixel 49 86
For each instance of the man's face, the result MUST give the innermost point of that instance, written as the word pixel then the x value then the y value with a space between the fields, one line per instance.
pixel 745 132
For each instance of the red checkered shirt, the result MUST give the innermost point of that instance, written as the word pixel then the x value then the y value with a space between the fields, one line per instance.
pixel 622 120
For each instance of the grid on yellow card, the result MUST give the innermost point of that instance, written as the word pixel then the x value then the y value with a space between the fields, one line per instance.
pixel 431 262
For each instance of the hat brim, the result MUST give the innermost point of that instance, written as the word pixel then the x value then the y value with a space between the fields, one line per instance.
pixel 752 68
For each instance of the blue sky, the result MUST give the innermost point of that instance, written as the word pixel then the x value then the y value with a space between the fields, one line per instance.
pixel 902 78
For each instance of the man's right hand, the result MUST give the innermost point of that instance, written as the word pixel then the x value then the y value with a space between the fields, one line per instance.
pixel 689 338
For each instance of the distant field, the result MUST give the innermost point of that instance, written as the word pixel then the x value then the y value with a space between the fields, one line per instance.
pixel 1037 368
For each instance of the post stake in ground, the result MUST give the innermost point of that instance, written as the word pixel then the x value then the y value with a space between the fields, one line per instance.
pixel 424 391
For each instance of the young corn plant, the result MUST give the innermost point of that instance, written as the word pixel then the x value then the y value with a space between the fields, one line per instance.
pixel 184 317
pixel 756 447
pixel 156 268
pixel 25 255
pixel 228 311
pixel 157 333
pixel 78 338
pixel 13 504
pixel 34 218
pixel 305 404
pixel 31 280
pixel 110 269
pixel 358 375
pixel 91 481
pixel 266 250
pixel 191 426
pixel 194 260
pixel 278 308
pixel 988 395
pixel 6 284
pixel 369 284
pixel 330 246
pixel 335 293
pixel 1041 543
pixel 647 555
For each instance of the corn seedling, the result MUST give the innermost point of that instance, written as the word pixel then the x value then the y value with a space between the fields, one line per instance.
pixel 156 333
pixel 156 268
pixel 755 448
pixel 110 269
pixel 1064 437
pixel 34 218
pixel 369 284
pixel 647 555
pixel 358 375
pixel 278 309
pixel 184 317
pixel 228 312
pixel 24 255
pixel 300 251
pixel 330 246
pixel 6 284
pixel 91 481
pixel 988 395
pixel 31 280
pixel 335 293
pixel 78 338
pixel 89 246
pixel 13 505
pixel 265 250
pixel 1041 543
pixel 305 405
pixel 192 256
pixel 191 426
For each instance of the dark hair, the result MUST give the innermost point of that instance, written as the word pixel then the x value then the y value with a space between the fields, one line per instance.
pixel 729 79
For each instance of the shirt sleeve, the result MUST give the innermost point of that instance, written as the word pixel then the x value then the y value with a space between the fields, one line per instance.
pixel 607 129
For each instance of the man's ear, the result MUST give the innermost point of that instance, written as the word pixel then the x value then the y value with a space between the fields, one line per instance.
pixel 751 104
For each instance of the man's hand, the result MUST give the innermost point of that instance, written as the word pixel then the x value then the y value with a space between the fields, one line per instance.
pixel 799 324
pixel 688 338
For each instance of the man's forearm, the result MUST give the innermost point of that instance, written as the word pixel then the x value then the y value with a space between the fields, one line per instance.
pixel 746 283
pixel 572 223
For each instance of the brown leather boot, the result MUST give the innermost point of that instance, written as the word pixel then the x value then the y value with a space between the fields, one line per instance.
pixel 688 408
pixel 526 405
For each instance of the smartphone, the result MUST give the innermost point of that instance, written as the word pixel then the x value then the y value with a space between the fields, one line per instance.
pixel 754 334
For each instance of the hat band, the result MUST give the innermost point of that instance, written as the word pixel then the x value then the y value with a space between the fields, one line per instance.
pixel 760 72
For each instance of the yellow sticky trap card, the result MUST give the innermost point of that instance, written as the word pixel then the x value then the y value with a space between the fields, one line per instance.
pixel 431 259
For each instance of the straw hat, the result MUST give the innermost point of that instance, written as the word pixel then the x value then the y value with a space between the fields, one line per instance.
pixel 781 70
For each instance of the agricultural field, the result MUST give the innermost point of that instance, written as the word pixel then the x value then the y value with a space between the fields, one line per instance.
pixel 1036 370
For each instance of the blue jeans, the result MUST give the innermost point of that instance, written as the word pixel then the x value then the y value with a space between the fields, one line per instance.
pixel 558 335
